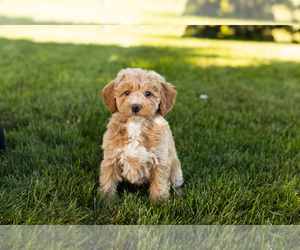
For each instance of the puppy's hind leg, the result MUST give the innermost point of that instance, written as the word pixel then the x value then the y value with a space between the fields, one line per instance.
pixel 176 179
pixel 109 179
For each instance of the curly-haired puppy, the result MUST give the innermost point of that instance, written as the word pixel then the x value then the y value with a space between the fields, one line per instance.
pixel 138 144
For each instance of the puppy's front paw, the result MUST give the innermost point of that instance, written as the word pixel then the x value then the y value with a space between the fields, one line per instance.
pixel 159 195
pixel 159 199
pixel 179 191
pixel 108 197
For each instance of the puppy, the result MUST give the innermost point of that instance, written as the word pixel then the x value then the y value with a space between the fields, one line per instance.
pixel 138 144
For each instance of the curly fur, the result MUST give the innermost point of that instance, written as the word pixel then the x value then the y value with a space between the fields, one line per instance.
pixel 138 146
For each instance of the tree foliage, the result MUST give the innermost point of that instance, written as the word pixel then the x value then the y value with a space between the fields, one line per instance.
pixel 250 9
pixel 240 32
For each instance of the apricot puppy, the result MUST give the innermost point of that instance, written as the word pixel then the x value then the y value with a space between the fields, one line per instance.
pixel 138 144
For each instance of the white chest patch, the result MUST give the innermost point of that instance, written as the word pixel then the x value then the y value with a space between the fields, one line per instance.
pixel 136 170
pixel 134 129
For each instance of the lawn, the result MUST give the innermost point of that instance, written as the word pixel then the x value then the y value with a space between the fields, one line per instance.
pixel 239 148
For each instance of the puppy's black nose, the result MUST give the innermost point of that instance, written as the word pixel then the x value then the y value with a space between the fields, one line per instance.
pixel 136 108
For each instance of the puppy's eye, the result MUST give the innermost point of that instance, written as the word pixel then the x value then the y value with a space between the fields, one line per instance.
pixel 127 93
pixel 147 94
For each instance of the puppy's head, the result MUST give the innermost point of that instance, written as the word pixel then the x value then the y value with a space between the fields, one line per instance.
pixel 137 92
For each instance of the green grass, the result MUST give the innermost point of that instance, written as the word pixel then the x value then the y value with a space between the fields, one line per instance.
pixel 239 149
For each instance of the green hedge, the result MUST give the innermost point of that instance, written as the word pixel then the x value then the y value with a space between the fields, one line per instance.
pixel 241 32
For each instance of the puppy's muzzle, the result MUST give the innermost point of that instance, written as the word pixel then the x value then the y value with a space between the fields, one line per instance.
pixel 136 108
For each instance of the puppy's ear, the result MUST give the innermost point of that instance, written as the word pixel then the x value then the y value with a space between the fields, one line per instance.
pixel 109 97
pixel 168 94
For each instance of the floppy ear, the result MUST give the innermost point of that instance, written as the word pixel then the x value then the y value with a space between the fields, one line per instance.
pixel 109 97
pixel 168 94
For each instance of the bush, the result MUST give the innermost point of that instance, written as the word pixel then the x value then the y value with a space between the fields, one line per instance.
pixel 240 32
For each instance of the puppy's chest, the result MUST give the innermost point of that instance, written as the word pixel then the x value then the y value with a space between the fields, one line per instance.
pixel 134 158
pixel 135 140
